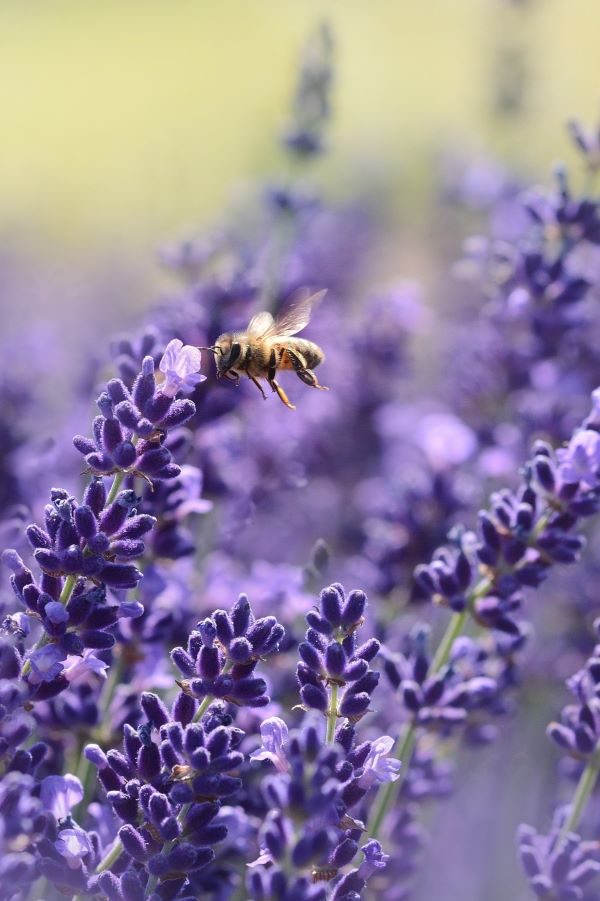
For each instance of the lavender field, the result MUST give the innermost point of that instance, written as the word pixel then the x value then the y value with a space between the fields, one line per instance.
pixel 314 645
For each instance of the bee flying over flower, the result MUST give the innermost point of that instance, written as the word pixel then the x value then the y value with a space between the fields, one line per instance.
pixel 268 345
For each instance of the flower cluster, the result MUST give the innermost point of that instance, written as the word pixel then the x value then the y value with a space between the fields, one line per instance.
pixel 168 784
pixel 578 732
pixel 309 836
pixel 437 700
pixel 223 652
pixel 522 535
pixel 330 657
pixel 129 435
pixel 85 550
pixel 217 784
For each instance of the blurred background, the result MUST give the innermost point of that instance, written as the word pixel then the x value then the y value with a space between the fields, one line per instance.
pixel 127 126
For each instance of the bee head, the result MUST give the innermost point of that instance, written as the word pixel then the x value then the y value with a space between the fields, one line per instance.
pixel 222 349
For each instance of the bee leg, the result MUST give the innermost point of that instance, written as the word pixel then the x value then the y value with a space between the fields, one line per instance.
pixel 309 378
pixel 232 377
pixel 258 385
pixel 304 374
pixel 272 369
pixel 281 394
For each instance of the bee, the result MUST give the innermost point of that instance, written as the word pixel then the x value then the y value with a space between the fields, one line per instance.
pixel 268 345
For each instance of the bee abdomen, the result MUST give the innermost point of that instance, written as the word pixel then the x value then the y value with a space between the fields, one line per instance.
pixel 311 352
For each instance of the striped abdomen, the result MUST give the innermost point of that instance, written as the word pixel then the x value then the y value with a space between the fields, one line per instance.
pixel 310 353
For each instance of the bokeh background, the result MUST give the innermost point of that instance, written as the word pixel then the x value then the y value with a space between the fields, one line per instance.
pixel 125 124
pixel 133 123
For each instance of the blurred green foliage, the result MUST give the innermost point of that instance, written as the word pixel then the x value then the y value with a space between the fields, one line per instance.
pixel 133 119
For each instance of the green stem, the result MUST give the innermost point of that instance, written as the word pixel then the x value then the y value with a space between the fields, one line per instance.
pixel 332 713
pixel 205 704
pixel 585 787
pixel 454 629
pixel 111 858
pixel 387 793
pixel 114 488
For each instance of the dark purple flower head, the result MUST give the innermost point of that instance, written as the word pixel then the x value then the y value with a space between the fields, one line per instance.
pixel 442 699
pixel 129 433
pixel 168 783
pixel 521 536
pixel 331 655
pixel 223 653
pixel 308 823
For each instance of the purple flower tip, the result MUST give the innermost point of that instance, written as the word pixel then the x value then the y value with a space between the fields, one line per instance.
pixel 73 845
pixel 12 560
pixel 60 794
pixel 374 860
pixel 274 733
pixel 180 365
pixel 56 613
pixel 46 664
pixel 131 609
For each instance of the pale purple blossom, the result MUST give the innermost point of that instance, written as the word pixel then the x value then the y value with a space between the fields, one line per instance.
pixel 73 845
pixel 46 664
pixel 274 733
pixel 580 460
pixel 180 365
pixel 77 668
pixel 191 479
pixel 378 767
pixel 60 794
pixel 375 859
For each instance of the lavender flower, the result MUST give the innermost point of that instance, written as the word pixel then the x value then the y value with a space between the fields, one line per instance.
pixel 331 656
pixel 312 101
pixel 181 368
pixel 129 435
pixel 314 794
pixel 558 866
pixel 171 778
pixel 223 653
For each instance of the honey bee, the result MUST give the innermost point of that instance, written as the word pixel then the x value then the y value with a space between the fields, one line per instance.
pixel 267 345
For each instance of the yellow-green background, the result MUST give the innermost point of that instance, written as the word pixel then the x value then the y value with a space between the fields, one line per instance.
pixel 128 121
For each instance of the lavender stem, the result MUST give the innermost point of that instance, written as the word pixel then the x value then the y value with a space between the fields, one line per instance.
pixel 585 787
pixel 332 713
pixel 388 792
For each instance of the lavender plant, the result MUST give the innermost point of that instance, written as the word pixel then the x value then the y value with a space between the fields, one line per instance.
pixel 482 577
pixel 160 739
pixel 561 864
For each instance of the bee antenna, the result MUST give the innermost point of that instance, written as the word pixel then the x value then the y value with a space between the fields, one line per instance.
pixel 214 350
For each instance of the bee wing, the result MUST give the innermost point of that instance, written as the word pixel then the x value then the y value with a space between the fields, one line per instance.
pixel 297 317
pixel 260 325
